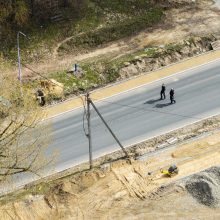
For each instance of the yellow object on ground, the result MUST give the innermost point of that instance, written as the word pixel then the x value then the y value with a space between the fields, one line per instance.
pixel 165 172
pixel 173 170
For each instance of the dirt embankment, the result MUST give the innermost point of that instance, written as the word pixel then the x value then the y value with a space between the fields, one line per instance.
pixel 194 197
pixel 158 57
pixel 172 41
pixel 133 189
pixel 193 18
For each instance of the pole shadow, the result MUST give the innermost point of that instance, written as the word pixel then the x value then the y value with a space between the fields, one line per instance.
pixel 152 101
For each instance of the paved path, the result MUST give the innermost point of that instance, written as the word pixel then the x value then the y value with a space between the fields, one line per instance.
pixel 138 114
pixel 135 82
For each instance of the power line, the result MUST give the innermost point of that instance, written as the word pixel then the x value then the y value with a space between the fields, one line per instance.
pixel 41 75
pixel 85 114
pixel 123 105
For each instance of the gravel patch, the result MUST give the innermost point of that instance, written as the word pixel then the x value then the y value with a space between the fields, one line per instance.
pixel 204 187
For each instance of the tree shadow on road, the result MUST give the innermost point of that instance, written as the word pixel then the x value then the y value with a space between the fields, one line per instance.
pixel 162 105
pixel 152 101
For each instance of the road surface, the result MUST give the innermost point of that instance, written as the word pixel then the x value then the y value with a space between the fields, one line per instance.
pixel 138 114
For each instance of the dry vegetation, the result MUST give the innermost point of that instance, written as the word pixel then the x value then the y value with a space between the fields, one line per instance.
pixel 133 189
pixel 22 140
pixel 119 190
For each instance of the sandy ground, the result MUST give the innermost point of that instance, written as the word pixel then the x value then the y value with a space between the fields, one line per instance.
pixel 124 190
pixel 179 24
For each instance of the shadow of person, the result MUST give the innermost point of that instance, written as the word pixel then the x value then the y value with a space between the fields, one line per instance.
pixel 152 101
pixel 162 105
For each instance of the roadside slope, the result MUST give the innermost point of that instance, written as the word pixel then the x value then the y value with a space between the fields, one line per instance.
pixel 126 190
pixel 133 83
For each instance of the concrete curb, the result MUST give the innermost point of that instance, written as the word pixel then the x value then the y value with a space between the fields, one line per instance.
pixel 134 82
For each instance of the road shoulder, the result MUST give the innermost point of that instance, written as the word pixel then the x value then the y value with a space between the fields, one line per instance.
pixel 133 83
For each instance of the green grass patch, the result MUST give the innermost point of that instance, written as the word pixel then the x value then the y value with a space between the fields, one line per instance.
pixel 114 31
pixel 103 71
pixel 72 84
pixel 96 23
pixel 124 6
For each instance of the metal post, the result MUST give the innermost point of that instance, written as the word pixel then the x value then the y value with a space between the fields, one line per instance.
pixel 89 130
pixel 19 57
pixel 114 136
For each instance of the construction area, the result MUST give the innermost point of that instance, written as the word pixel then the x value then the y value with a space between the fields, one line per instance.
pixel 172 176
pixel 140 188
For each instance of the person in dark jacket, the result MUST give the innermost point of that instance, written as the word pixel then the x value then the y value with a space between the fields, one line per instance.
pixel 162 92
pixel 172 100
pixel 41 97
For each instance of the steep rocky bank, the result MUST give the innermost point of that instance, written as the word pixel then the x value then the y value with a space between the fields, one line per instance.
pixel 158 57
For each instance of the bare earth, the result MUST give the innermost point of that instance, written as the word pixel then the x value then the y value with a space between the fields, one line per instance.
pixel 136 190
pixel 124 190
pixel 179 24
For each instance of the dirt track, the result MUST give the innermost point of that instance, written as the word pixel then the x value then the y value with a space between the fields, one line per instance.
pixel 123 190
pixel 127 191
pixel 179 24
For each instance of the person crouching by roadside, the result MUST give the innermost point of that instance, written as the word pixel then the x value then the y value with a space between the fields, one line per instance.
pixel 40 97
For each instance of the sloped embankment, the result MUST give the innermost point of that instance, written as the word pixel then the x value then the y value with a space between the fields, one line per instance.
pixel 204 187
pixel 130 189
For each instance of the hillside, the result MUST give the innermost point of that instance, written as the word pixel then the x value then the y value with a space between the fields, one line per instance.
pixel 110 41
pixel 91 22
pixel 72 47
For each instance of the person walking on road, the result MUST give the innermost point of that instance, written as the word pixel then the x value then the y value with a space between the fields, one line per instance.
pixel 172 100
pixel 162 92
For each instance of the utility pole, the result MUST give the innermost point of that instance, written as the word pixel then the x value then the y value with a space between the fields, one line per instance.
pixel 19 57
pixel 89 130
pixel 107 126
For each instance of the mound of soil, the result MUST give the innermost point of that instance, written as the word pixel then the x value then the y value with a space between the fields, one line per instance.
pixel 205 187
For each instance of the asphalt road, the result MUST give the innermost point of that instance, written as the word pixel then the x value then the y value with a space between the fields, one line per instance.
pixel 138 114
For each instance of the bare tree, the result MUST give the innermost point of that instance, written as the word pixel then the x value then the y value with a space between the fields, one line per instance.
pixel 22 139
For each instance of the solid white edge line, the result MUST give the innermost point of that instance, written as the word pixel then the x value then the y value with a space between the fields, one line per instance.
pixel 155 136
pixel 126 91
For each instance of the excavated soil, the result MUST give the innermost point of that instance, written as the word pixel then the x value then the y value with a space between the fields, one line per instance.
pixel 131 189
pixel 205 187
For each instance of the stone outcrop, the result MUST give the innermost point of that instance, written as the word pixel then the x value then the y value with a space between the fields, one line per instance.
pixel 163 56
